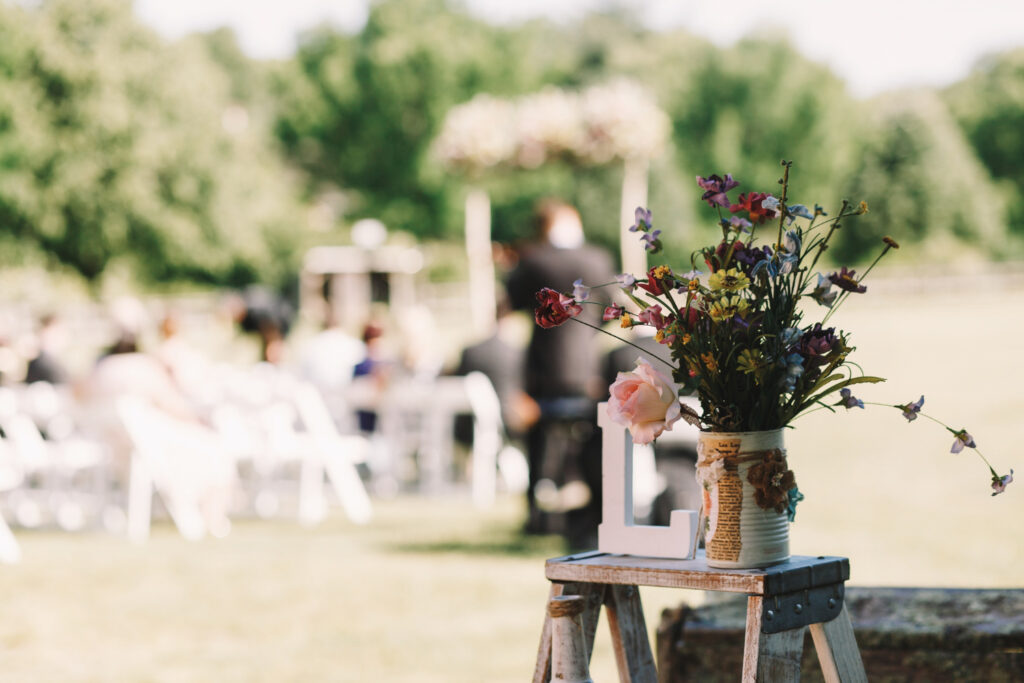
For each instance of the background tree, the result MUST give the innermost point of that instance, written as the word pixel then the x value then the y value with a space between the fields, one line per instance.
pixel 989 105
pixel 118 148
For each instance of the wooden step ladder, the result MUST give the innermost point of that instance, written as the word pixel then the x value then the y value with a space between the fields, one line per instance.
pixel 783 601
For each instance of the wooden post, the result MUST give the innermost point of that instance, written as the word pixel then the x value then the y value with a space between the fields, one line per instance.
pixel 569 657
pixel 770 657
pixel 838 651
pixel 634 194
pixel 481 262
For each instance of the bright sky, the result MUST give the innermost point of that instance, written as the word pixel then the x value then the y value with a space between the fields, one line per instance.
pixel 875 45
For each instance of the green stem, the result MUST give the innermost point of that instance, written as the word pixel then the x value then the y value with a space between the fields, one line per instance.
pixel 624 341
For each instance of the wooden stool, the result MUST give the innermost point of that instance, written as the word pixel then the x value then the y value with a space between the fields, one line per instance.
pixel 782 601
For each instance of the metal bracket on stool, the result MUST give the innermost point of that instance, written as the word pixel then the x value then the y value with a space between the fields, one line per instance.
pixel 802 608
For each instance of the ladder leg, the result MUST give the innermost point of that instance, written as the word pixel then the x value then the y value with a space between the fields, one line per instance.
pixel 837 650
pixel 594 595
pixel 770 656
pixel 629 635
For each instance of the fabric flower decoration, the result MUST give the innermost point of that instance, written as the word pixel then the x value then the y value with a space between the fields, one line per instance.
pixel 555 308
pixel 772 479
pixel 645 400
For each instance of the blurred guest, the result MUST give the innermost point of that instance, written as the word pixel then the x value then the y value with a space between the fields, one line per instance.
pixel 563 375
pixel 125 371
pixel 501 359
pixel 377 365
pixel 261 311
pixel 46 366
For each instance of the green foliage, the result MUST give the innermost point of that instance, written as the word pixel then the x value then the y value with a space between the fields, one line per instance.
pixel 116 147
pixel 744 109
pixel 923 184
pixel 989 105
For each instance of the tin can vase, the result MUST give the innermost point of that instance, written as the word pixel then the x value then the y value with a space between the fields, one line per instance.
pixel 744 478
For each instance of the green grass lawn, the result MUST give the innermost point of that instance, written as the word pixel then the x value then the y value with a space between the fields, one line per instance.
pixel 433 590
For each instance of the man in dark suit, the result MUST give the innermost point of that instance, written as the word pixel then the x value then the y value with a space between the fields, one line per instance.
pixel 563 375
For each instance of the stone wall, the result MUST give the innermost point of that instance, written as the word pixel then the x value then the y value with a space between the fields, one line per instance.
pixel 921 635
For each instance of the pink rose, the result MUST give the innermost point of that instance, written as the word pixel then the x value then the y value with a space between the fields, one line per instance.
pixel 645 400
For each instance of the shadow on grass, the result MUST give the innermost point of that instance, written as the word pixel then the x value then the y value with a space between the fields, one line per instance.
pixel 501 542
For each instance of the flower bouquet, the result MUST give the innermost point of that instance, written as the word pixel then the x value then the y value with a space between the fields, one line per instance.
pixel 747 328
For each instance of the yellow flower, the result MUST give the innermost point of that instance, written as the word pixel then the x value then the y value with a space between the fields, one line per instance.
pixel 659 336
pixel 709 361
pixel 661 272
pixel 686 338
pixel 728 306
pixel 862 207
pixel 693 285
pixel 625 321
pixel 730 280
pixel 749 361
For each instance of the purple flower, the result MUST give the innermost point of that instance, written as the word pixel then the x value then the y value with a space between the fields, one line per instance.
pixel 642 220
pixel 626 281
pixel 579 291
pixel 741 224
pixel 846 281
pixel 962 439
pixel 910 410
pixel 849 400
pixel 815 346
pixel 999 483
pixel 651 241
pixel 715 188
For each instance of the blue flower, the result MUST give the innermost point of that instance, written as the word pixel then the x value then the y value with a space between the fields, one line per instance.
pixel 790 336
pixel 910 410
pixel 849 400
pixel 797 211
pixel 794 496
pixel 642 220
pixel 580 292
pixel 823 293
pixel 626 281
pixel 794 364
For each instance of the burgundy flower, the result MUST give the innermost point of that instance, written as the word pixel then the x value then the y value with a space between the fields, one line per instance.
pixel 816 344
pixel 752 204
pixel 555 308
pixel 846 281
pixel 715 189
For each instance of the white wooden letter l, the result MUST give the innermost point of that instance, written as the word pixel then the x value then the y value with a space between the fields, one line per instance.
pixel 617 533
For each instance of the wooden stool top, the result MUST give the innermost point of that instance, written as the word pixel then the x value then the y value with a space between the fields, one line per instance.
pixel 799 573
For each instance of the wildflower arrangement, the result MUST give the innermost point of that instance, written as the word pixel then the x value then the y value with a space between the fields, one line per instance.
pixel 750 335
